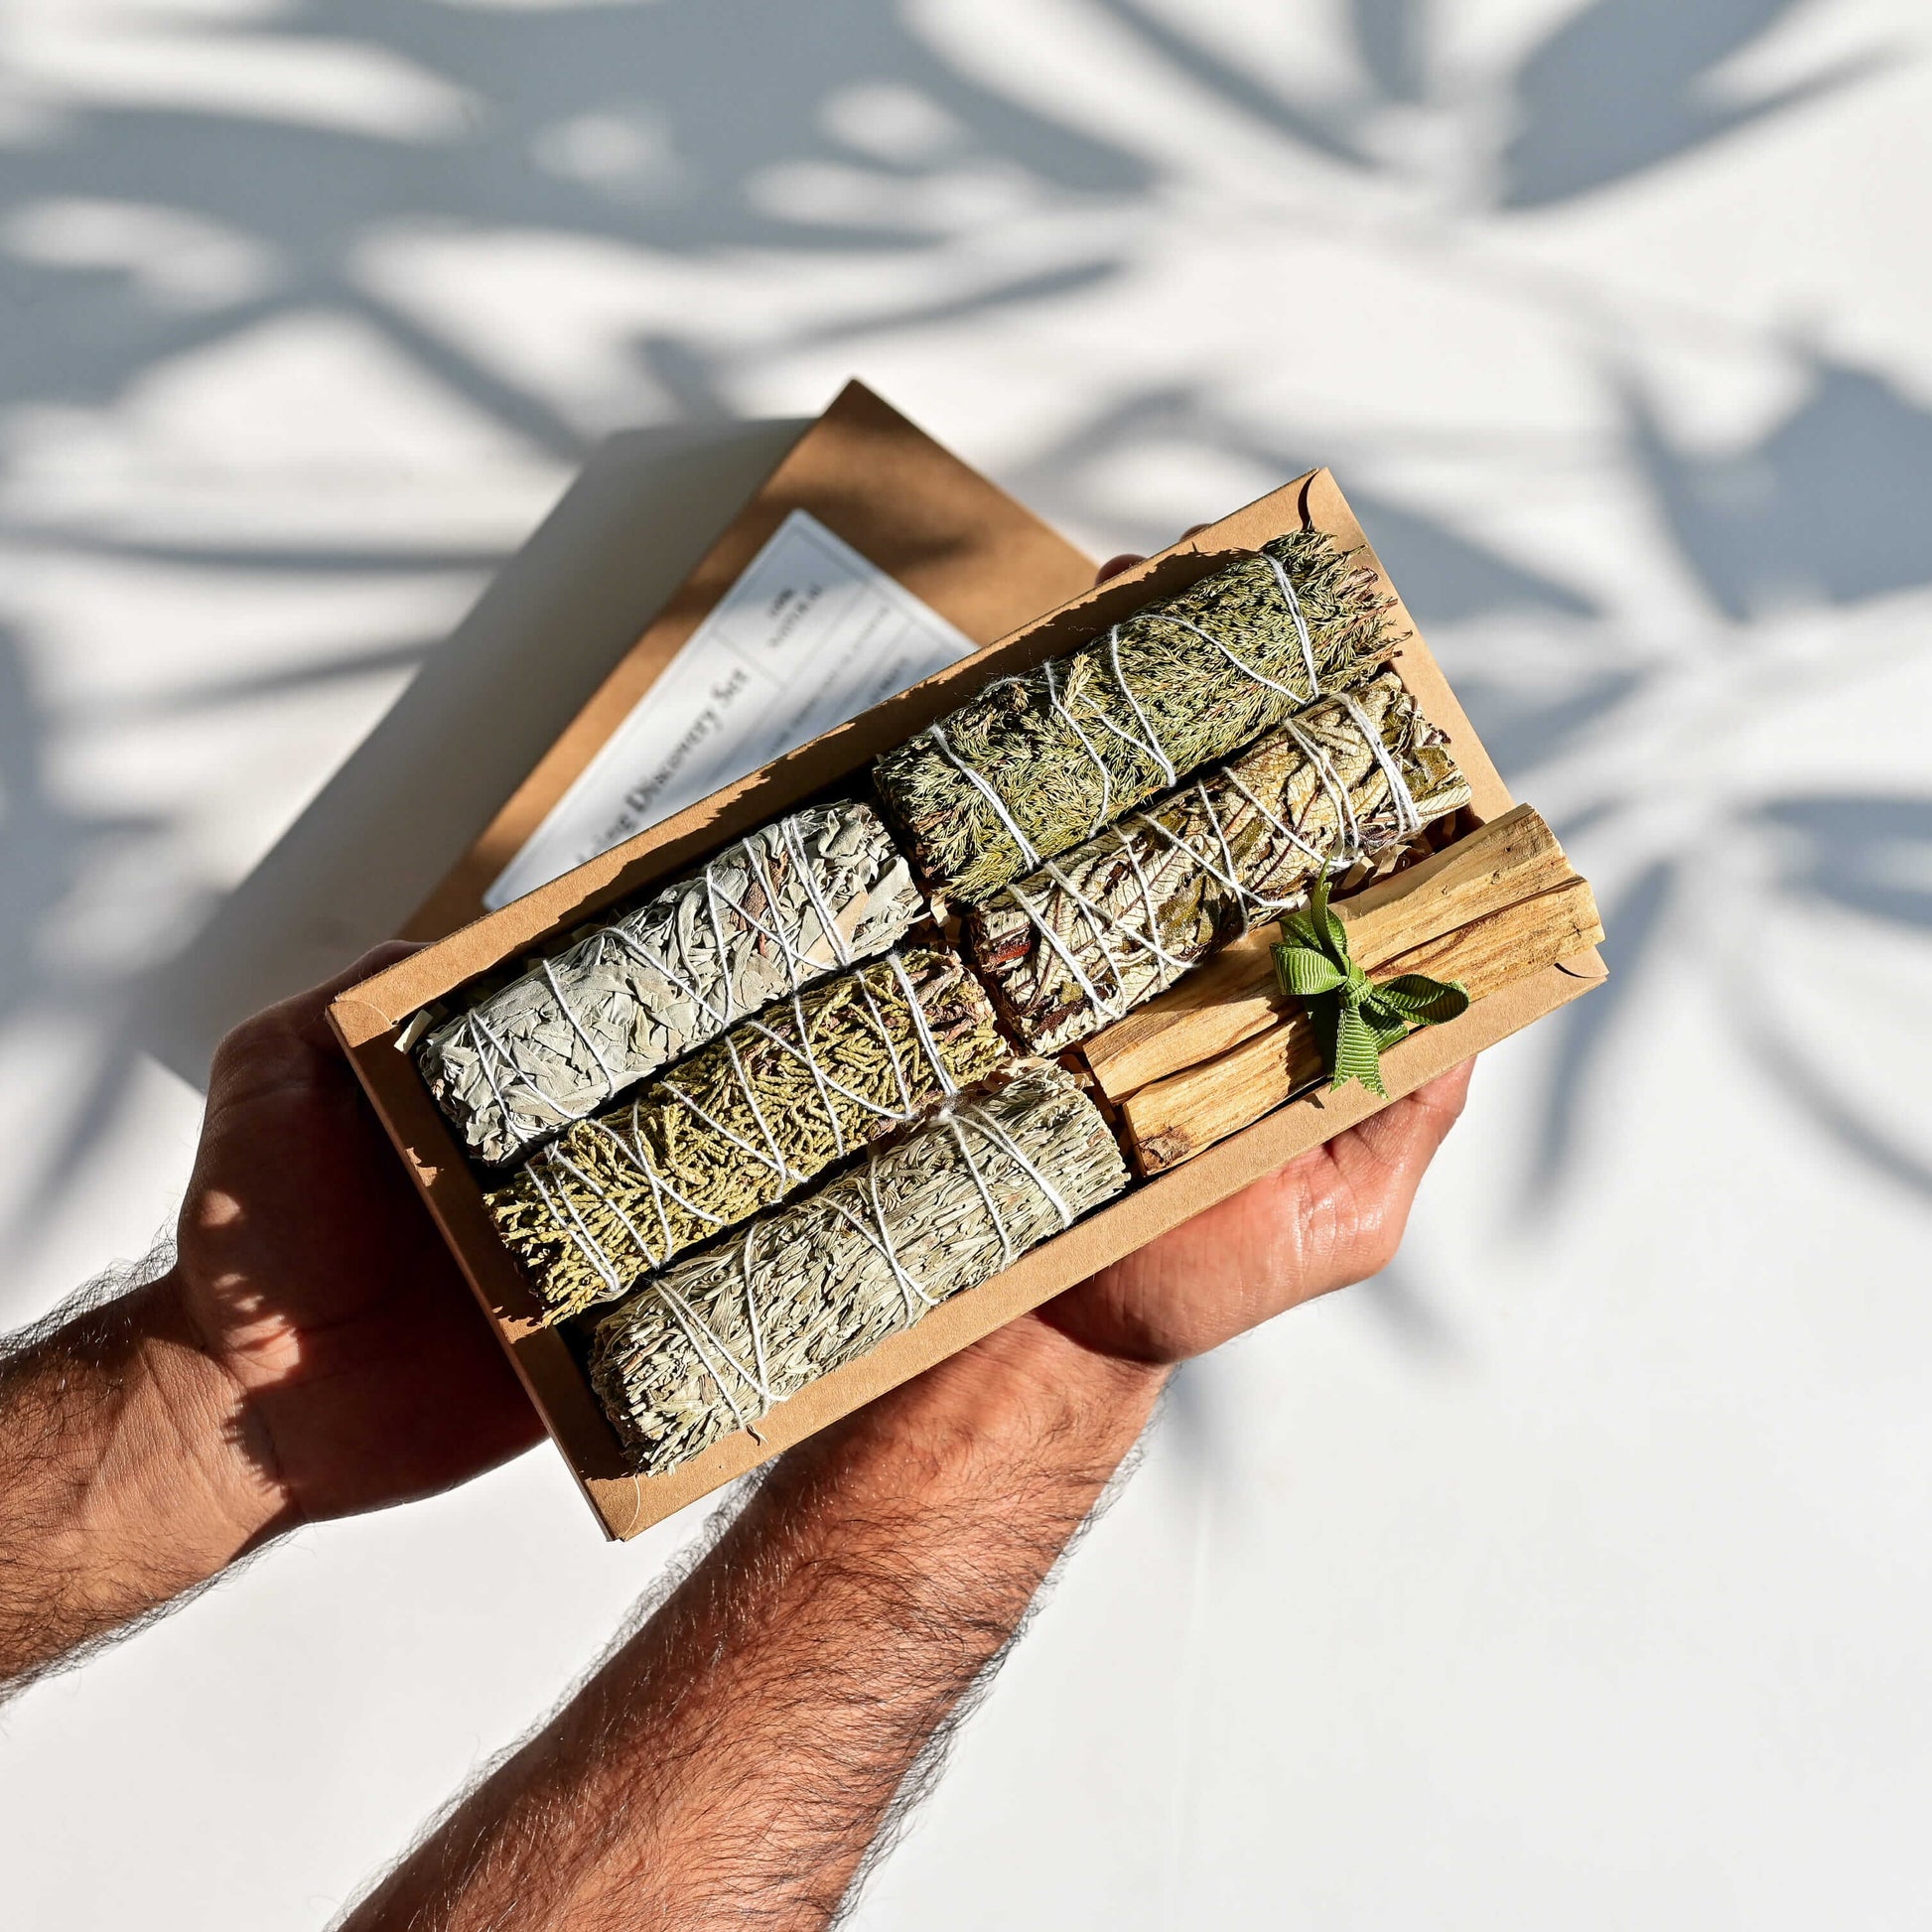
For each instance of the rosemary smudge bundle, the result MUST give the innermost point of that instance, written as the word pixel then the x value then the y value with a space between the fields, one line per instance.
pixel 1039 761
pixel 742 1123
pixel 708 1346
pixel 1076 944
pixel 795 900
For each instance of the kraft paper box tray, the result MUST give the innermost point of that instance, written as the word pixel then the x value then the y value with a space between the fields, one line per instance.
pixel 369 1018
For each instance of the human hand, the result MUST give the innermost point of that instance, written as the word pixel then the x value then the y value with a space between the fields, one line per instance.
pixel 310 1272
pixel 311 1352
pixel 1332 1216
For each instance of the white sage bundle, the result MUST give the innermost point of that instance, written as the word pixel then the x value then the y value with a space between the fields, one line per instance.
pixel 709 1346
pixel 773 913
pixel 1079 942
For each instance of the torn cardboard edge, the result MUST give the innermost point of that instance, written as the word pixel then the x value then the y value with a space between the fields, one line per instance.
pixel 367 1018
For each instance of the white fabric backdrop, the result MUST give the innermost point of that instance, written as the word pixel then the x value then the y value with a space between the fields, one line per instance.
pixel 1575 1572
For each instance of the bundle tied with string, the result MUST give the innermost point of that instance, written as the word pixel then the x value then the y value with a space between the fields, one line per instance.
pixel 709 1346
pixel 1037 763
pixel 772 914
pixel 1076 944
pixel 742 1122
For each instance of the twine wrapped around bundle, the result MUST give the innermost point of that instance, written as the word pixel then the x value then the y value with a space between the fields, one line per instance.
pixel 773 913
pixel 710 1346
pixel 1076 944
pixel 1037 763
pixel 742 1122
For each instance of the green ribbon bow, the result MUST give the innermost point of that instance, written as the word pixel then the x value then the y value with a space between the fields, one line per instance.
pixel 1356 1019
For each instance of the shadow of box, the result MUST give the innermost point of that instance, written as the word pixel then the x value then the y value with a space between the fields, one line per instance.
pixel 369 1018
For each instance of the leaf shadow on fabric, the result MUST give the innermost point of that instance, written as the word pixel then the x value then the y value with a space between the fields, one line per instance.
pixel 1869 852
pixel 676 129
pixel 1826 505
pixel 1611 91
pixel 1624 85
pixel 1870 855
pixel 1324 126
pixel 47 848
pixel 672 127
pixel 1445 575
pixel 1825 1103
pixel 1522 727
pixel 486 704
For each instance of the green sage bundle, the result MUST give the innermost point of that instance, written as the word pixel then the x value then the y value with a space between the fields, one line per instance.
pixel 1076 944
pixel 773 913
pixel 742 1123
pixel 711 1344
pixel 1037 763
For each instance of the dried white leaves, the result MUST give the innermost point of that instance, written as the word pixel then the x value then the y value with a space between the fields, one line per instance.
pixel 777 910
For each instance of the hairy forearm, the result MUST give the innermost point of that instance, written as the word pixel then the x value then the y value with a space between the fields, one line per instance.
pixel 125 1478
pixel 732 1761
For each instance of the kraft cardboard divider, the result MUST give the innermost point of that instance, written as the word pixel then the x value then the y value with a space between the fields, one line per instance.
pixel 368 1018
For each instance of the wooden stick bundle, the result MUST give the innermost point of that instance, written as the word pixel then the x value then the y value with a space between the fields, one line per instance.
pixel 1227 1046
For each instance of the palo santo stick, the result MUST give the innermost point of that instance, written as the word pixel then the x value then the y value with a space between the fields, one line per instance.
pixel 1234 996
pixel 1174 1119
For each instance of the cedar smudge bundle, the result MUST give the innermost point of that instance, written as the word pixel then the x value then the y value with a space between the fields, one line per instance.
pixel 710 1346
pixel 773 913
pixel 1037 763
pixel 742 1123
pixel 1076 944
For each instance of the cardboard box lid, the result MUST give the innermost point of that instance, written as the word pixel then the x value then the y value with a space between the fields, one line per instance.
pixel 935 524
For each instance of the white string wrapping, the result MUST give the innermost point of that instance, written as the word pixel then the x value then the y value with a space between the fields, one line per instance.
pixel 883 1245
pixel 800 969
pixel 876 1233
pixel 552 1169
pixel 1291 598
pixel 1146 742
pixel 1410 818
pixel 1028 855
pixel 771 915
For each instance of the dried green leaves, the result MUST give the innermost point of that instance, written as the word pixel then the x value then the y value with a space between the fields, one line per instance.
pixel 775 912
pixel 1076 944
pixel 742 1123
pixel 1040 761
pixel 709 1346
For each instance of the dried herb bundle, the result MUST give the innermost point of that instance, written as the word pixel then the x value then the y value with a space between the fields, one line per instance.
pixel 1079 943
pixel 1037 763
pixel 709 1346
pixel 742 1123
pixel 777 910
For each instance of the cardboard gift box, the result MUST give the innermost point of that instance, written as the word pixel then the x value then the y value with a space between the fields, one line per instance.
pixel 984 563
